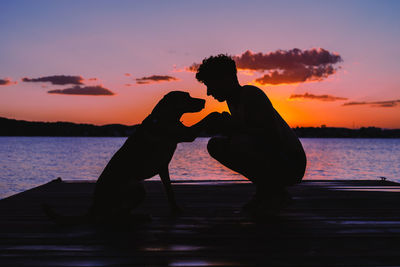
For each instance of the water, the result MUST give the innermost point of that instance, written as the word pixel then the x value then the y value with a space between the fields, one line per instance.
pixel 26 162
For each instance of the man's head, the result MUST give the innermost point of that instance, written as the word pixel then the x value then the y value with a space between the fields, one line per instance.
pixel 218 73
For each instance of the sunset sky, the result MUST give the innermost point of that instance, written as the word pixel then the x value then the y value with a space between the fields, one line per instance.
pixel 320 62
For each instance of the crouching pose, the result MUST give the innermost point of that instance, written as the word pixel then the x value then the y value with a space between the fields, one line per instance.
pixel 146 153
pixel 253 138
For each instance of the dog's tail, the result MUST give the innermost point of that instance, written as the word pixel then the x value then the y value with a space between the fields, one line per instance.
pixel 63 219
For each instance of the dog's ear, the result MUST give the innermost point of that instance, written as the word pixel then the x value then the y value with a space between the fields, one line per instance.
pixel 177 99
pixel 159 107
pixel 173 99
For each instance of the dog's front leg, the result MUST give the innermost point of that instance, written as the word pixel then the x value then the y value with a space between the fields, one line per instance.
pixel 164 175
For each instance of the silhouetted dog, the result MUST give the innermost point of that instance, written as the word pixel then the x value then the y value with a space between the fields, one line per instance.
pixel 146 153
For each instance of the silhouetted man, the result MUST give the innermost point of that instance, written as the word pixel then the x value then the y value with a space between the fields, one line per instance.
pixel 253 139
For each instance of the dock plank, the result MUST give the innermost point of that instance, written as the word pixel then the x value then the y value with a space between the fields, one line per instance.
pixel 330 223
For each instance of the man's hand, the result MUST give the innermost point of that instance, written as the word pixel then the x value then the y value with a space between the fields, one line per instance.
pixel 213 117
pixel 213 123
pixel 226 116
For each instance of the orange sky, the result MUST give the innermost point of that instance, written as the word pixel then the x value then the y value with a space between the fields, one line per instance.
pixel 154 42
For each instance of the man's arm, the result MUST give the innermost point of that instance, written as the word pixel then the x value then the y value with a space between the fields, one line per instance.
pixel 183 133
pixel 213 123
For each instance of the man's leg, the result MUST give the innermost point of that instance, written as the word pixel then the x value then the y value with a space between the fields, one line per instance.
pixel 241 156
pixel 220 148
pixel 265 170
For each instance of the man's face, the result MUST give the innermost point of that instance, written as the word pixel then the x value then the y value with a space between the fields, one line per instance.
pixel 217 89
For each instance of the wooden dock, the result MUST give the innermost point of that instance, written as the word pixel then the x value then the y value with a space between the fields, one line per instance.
pixel 330 223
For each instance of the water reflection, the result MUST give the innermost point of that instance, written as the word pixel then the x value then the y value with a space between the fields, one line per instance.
pixel 173 248
pixel 26 162
pixel 368 188
pixel 202 263
pixel 355 159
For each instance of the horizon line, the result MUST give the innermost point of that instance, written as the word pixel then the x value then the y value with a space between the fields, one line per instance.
pixel 99 125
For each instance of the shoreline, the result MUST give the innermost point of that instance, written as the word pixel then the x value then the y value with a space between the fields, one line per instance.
pixel 11 127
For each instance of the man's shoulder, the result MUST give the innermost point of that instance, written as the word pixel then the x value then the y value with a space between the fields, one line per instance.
pixel 255 96
pixel 253 90
pixel 250 87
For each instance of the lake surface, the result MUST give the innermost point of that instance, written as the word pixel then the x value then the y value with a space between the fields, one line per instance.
pixel 26 162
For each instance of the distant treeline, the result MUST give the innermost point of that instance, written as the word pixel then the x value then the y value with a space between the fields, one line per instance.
pixel 333 132
pixel 10 127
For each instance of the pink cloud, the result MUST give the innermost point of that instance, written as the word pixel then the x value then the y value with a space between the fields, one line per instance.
pixel 6 81
pixel 86 90
pixel 382 104
pixel 316 97
pixel 286 66
pixel 57 79
pixel 155 79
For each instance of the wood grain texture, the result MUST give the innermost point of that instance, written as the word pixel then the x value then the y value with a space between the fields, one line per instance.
pixel 330 223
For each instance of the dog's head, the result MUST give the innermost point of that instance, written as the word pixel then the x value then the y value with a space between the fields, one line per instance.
pixel 178 102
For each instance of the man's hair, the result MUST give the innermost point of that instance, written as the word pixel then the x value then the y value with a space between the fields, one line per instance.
pixel 214 67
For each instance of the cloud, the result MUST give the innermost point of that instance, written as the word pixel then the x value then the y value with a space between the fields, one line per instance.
pixel 86 90
pixel 290 66
pixel 382 104
pixel 6 82
pixel 93 79
pixel 247 72
pixel 285 59
pixel 328 98
pixel 297 74
pixel 286 66
pixel 57 79
pixel 155 79
pixel 127 74
pixel 193 68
